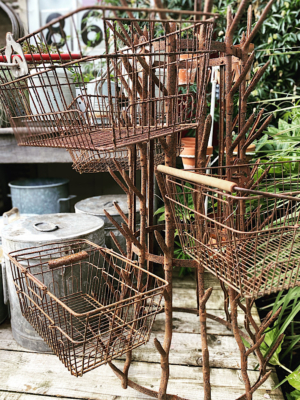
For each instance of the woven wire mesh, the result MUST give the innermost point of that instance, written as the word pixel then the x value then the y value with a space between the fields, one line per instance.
pixel 89 304
pixel 92 161
pixel 136 95
pixel 249 239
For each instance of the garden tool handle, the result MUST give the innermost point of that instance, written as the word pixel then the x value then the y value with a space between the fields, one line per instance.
pixel 72 258
pixel 197 178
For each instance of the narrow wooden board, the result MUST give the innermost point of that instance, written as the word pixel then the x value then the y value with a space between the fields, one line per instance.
pixel 189 282
pixel 185 350
pixel 25 396
pixel 42 374
pixel 189 323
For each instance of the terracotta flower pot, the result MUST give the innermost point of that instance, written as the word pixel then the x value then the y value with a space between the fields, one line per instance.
pixel 188 141
pixel 187 75
pixel 213 243
pixel 187 152
pixel 250 152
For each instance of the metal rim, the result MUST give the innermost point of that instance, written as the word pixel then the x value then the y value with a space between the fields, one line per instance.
pixel 15 186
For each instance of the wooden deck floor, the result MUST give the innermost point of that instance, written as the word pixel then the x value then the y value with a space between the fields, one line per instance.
pixel 25 375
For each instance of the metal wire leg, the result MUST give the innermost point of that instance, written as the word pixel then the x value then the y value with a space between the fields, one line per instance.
pixel 233 296
pixel 203 297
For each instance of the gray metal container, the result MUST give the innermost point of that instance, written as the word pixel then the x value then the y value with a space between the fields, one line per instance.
pixel 41 195
pixel 3 306
pixel 96 205
pixel 22 234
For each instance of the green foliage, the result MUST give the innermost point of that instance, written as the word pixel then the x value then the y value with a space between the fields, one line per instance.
pixel 295 395
pixel 278 41
pixel 185 198
pixel 268 344
pixel 281 46
pixel 290 308
pixel 281 143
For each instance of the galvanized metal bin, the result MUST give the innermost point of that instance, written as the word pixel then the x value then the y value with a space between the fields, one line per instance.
pixel 96 206
pixel 3 307
pixel 34 231
pixel 41 195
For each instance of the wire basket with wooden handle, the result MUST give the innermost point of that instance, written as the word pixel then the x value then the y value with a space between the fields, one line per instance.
pixel 58 95
pixel 249 237
pixel 89 304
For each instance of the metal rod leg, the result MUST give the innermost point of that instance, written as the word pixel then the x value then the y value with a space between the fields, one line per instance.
pixel 202 314
pixel 244 364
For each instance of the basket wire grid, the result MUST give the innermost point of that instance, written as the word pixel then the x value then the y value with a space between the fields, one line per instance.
pixel 93 161
pixel 249 239
pixel 89 304
pixel 130 100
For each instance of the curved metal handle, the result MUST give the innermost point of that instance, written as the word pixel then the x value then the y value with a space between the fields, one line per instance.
pixel 9 213
pixel 109 203
pixel 72 196
pixel 50 227
pixel 199 179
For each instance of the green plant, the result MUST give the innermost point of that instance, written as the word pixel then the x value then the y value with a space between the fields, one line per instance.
pixel 281 143
pixel 185 198
pixel 285 324
pixel 277 41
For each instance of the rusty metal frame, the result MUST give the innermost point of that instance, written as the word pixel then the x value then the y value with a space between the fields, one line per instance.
pixel 141 242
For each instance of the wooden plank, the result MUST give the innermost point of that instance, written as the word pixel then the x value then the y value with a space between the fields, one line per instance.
pixel 185 350
pixel 26 396
pixel 10 152
pixel 189 323
pixel 182 323
pixel 45 375
pixel 189 282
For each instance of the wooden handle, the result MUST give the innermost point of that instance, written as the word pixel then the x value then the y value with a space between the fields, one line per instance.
pixel 197 178
pixel 72 258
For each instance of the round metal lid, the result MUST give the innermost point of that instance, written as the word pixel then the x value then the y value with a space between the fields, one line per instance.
pixel 51 227
pixel 96 205
pixel 39 183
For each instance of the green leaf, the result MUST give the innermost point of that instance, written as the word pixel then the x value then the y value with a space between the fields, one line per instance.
pixel 160 210
pixel 246 344
pixel 295 395
pixel 294 379
pixel 270 339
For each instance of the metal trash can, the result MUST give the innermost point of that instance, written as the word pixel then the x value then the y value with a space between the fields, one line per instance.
pixel 96 205
pixel 41 195
pixel 7 217
pixel 3 307
pixel 35 231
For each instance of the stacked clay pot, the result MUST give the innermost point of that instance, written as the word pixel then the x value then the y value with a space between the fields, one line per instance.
pixel 188 150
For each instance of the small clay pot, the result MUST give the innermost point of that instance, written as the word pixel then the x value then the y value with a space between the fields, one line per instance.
pixel 188 141
pixel 187 152
pixel 187 75
pixel 212 242
pixel 250 152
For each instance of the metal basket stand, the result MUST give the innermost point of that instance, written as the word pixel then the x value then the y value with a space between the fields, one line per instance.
pixel 142 242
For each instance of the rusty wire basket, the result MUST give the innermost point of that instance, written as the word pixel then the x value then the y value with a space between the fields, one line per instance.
pixel 249 237
pixel 92 161
pixel 136 93
pixel 89 304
